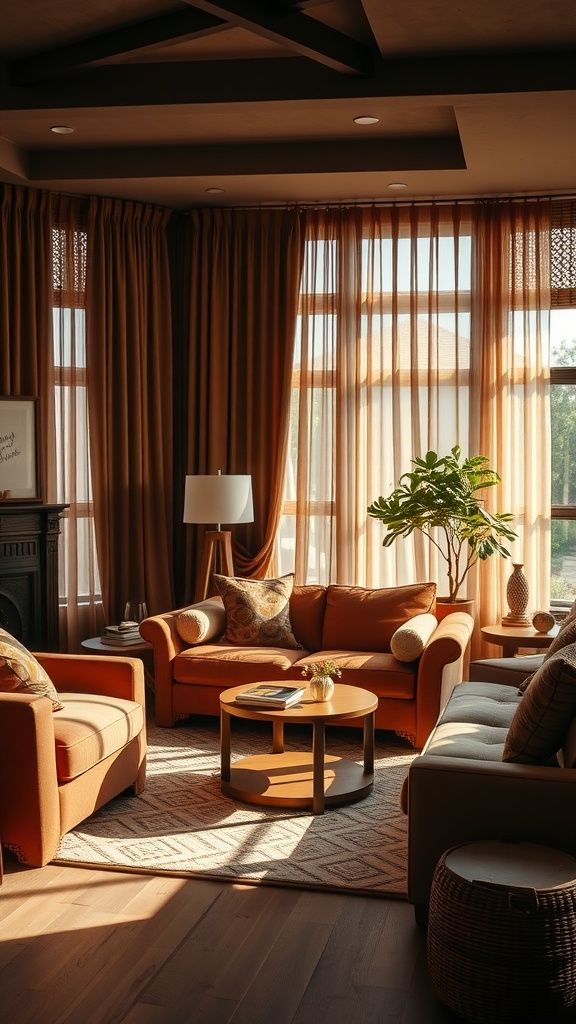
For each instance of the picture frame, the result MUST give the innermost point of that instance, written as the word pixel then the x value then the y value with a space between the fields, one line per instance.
pixel 19 449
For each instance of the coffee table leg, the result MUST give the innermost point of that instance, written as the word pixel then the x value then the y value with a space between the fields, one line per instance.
pixel 277 736
pixel 369 743
pixel 224 746
pixel 318 752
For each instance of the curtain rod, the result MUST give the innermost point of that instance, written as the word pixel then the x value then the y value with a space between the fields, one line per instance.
pixel 383 203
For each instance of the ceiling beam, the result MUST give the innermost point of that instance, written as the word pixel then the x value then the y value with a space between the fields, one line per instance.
pixel 295 79
pixel 178 27
pixel 298 33
pixel 392 154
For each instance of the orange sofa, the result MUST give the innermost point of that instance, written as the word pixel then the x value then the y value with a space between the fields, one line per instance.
pixel 58 767
pixel 353 626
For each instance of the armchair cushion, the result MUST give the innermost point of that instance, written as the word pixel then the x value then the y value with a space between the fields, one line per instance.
pixel 257 611
pixel 21 673
pixel 90 728
pixel 545 712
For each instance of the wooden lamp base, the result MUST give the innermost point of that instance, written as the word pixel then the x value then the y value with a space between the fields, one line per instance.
pixel 216 556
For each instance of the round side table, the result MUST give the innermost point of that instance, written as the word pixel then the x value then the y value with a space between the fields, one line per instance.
pixel 510 638
pixel 502 933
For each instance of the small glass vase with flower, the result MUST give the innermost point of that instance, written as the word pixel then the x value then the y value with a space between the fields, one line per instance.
pixel 321 681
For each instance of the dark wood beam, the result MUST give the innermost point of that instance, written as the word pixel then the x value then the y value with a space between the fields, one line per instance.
pixel 295 79
pixel 310 157
pixel 298 33
pixel 180 26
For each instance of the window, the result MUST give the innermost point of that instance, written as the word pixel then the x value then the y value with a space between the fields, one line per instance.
pixel 563 403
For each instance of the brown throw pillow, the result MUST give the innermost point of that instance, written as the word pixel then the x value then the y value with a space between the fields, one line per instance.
pixel 257 611
pixel 545 713
pixel 21 673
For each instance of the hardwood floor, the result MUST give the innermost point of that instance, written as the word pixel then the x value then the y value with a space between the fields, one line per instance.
pixel 79 946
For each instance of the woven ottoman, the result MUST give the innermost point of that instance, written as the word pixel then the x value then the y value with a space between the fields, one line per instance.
pixel 501 942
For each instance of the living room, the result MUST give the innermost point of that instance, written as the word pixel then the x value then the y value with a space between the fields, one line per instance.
pixel 307 242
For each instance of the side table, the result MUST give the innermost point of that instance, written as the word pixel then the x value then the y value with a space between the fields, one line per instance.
pixel 94 645
pixel 510 638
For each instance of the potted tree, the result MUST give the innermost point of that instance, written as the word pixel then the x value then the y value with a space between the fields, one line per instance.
pixel 440 498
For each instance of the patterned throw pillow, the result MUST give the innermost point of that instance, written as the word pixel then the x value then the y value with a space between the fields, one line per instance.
pixel 257 611
pixel 21 673
pixel 545 713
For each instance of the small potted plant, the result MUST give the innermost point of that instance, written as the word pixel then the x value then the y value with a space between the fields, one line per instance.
pixel 321 682
pixel 440 498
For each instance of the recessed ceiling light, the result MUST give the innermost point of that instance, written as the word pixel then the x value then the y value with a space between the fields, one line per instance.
pixel 366 119
pixel 62 129
pixel 215 191
pixel 397 185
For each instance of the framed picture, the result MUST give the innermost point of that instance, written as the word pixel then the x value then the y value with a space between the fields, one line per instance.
pixel 19 461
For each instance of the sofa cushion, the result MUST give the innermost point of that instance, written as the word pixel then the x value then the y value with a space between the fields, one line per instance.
pixel 410 639
pixel 257 611
pixel 475 722
pixel 21 673
pixel 379 672
pixel 307 609
pixel 224 666
pixel 359 619
pixel 545 712
pixel 89 728
pixel 514 671
pixel 202 622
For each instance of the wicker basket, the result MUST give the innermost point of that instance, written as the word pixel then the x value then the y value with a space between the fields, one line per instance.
pixel 501 953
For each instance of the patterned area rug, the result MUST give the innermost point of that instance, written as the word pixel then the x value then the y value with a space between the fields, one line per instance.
pixel 183 824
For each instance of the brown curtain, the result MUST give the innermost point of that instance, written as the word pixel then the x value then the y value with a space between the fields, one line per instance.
pixel 129 371
pixel 511 401
pixel 244 283
pixel 26 310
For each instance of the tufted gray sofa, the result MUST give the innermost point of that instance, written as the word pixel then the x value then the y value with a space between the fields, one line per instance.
pixel 459 790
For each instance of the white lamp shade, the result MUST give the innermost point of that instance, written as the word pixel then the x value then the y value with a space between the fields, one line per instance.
pixel 218 499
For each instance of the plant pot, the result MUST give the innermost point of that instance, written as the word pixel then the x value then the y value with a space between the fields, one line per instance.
pixel 321 688
pixel 445 607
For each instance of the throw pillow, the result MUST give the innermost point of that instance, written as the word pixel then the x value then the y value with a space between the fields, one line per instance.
pixel 257 611
pixel 566 635
pixel 545 713
pixel 21 673
pixel 362 619
pixel 203 621
pixel 409 640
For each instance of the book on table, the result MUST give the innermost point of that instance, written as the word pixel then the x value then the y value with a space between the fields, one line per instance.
pixel 270 696
pixel 127 633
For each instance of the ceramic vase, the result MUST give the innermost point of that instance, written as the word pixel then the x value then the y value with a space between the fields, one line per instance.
pixel 321 688
pixel 517 596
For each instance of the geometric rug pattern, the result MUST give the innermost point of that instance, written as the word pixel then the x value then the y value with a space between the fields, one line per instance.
pixel 182 823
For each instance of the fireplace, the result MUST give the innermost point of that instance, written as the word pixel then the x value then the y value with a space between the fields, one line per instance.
pixel 29 573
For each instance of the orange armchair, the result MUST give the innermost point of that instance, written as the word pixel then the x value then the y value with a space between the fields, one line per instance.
pixel 57 768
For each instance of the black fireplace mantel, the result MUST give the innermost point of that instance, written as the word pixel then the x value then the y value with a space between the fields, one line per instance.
pixel 29 573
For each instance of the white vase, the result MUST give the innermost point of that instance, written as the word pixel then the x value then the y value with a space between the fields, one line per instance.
pixel 321 688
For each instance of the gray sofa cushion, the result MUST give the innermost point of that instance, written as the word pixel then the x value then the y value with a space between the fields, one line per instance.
pixel 475 722
pixel 503 670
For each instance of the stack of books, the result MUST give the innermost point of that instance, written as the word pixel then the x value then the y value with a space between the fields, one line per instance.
pixel 127 634
pixel 266 695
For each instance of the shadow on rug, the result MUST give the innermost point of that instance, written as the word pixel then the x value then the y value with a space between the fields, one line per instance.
pixel 183 825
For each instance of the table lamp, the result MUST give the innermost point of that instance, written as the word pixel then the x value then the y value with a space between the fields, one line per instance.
pixel 217 499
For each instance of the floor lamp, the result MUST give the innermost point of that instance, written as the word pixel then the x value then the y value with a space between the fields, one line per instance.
pixel 217 499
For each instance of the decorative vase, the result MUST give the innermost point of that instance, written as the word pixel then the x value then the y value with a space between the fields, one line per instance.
pixel 517 597
pixel 321 688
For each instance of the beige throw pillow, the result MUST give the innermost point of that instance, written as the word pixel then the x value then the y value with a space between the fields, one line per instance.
pixel 409 641
pixel 201 622
pixel 257 611
pixel 545 713
pixel 21 673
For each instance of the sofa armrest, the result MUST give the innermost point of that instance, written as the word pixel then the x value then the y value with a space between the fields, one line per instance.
pixel 509 671
pixel 455 800
pixel 167 644
pixel 440 669
pixel 29 801
pixel 84 673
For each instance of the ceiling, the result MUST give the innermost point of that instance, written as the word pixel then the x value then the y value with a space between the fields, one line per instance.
pixel 258 98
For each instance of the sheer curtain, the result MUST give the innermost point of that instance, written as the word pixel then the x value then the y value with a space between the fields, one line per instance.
pixel 420 327
pixel 511 411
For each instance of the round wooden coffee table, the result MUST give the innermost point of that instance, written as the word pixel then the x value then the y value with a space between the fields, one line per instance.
pixel 299 779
